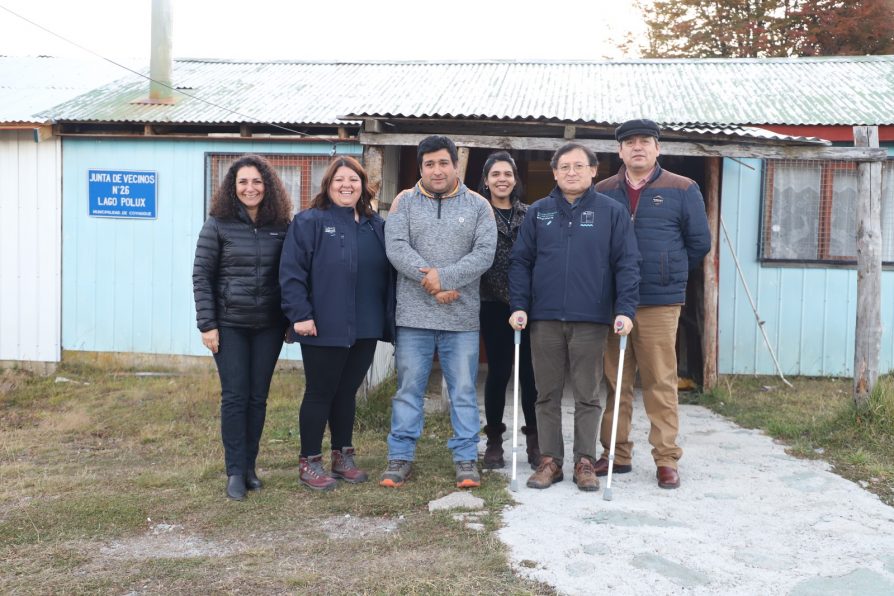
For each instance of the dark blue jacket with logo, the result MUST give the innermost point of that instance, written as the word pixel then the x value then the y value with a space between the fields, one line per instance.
pixel 575 262
pixel 318 275
pixel 671 230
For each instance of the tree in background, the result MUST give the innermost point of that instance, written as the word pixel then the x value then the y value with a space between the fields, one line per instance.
pixel 766 28
pixel 846 28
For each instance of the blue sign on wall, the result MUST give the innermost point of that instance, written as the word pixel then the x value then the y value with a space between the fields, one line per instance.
pixel 122 193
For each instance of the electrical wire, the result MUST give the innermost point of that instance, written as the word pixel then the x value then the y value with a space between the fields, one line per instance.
pixel 181 92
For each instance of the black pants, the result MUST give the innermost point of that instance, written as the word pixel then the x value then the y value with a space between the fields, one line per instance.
pixel 499 344
pixel 332 377
pixel 245 363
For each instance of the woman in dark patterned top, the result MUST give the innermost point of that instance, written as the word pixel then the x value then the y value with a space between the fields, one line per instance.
pixel 500 185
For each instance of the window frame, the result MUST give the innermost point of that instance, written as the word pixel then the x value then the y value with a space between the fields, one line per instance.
pixel 823 258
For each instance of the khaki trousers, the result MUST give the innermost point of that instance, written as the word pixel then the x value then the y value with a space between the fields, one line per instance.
pixel 651 348
pixel 576 347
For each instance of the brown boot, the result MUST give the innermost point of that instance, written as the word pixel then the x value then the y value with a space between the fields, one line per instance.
pixel 343 466
pixel 585 475
pixel 547 474
pixel 533 446
pixel 493 453
pixel 312 475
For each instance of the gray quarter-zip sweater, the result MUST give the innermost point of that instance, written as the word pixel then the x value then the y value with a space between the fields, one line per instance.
pixel 454 233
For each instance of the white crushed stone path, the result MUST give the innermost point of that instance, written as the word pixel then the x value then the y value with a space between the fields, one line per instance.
pixel 748 519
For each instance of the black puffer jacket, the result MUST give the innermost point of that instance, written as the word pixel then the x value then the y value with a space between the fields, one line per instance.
pixel 235 277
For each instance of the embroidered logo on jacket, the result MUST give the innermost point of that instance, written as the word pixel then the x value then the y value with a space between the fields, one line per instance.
pixel 329 230
pixel 657 200
pixel 587 218
pixel 546 216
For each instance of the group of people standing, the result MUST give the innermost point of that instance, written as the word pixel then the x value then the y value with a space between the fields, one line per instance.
pixel 449 268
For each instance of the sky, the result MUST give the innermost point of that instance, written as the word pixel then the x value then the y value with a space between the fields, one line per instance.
pixel 312 30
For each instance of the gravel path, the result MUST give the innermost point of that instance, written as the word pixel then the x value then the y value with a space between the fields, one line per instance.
pixel 748 519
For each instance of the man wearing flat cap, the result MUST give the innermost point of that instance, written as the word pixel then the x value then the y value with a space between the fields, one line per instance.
pixel 671 229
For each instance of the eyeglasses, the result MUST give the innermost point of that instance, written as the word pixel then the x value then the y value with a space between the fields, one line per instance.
pixel 578 167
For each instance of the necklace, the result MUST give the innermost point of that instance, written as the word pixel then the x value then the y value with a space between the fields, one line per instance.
pixel 504 217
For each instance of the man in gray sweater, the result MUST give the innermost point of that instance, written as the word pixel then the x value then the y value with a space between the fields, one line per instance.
pixel 441 237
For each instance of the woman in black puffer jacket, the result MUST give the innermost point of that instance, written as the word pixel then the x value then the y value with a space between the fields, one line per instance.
pixel 236 286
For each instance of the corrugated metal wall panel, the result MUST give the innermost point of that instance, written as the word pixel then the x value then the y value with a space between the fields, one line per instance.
pixel 809 313
pixel 127 284
pixel 29 248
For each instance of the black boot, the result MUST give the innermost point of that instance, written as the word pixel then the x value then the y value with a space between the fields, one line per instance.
pixel 493 453
pixel 236 487
pixel 252 482
pixel 533 446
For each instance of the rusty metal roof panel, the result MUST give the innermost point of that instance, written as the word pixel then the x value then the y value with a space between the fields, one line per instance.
pixel 793 91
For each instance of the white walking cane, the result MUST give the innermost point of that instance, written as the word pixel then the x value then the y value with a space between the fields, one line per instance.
pixel 607 495
pixel 513 485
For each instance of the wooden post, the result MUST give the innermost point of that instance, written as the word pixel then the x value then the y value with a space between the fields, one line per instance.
pixel 868 333
pixel 463 162
pixel 711 266
pixel 373 158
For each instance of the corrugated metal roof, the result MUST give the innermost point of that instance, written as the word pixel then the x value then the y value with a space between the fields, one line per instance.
pixel 794 91
pixel 29 86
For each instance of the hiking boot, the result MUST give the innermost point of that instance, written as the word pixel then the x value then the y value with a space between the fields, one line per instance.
pixel 585 475
pixel 547 474
pixel 343 466
pixel 493 453
pixel 312 475
pixel 601 467
pixel 533 446
pixel 467 474
pixel 396 474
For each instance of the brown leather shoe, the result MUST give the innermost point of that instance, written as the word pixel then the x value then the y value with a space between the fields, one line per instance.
pixel 547 474
pixel 533 446
pixel 585 476
pixel 312 475
pixel 601 467
pixel 667 477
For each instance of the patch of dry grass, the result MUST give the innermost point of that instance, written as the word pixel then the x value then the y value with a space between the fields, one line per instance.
pixel 114 483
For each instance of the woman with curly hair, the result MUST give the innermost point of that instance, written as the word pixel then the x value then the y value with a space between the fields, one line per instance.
pixel 338 294
pixel 236 287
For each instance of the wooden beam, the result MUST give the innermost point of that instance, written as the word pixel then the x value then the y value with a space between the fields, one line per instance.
pixel 711 266
pixel 373 125
pixel 373 157
pixel 43 133
pixel 148 130
pixel 343 132
pixel 569 132
pixel 868 332
pixel 463 162
pixel 694 149
pixel 244 130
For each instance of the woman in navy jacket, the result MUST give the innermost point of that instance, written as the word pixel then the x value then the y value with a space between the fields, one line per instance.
pixel 237 296
pixel 337 292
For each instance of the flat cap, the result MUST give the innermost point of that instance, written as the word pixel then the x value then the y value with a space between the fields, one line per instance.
pixel 637 127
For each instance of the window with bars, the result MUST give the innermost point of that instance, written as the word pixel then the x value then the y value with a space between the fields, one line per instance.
pixel 810 211
pixel 301 174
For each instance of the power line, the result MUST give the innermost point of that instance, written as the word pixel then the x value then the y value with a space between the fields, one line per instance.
pixel 151 80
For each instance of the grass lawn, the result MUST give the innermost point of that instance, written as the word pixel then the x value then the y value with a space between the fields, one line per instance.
pixel 817 419
pixel 114 483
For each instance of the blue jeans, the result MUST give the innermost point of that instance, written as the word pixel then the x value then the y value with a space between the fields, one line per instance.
pixel 458 353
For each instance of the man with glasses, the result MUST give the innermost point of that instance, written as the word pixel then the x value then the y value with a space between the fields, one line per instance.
pixel 574 272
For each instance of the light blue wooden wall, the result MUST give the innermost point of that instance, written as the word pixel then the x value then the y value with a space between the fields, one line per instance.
pixel 127 284
pixel 809 313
